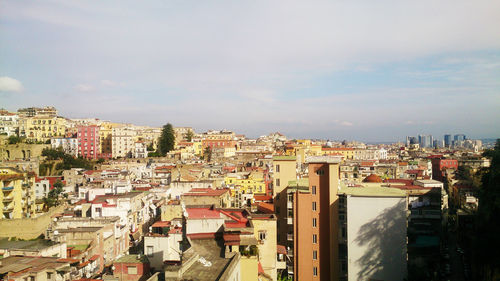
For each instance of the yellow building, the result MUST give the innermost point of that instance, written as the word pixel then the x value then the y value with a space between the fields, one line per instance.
pixel 246 182
pixel 17 195
pixel 265 232
pixel 42 128
pixel 315 150
pixel 346 152
pixel 304 143
pixel 198 148
pixel 105 135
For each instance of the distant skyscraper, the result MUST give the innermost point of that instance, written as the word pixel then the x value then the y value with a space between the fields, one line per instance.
pixel 447 140
pixel 459 137
pixel 437 143
pixel 425 140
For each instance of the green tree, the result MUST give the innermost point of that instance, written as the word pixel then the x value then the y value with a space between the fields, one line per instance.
pixel 487 226
pixel 189 135
pixel 14 139
pixel 167 140
pixel 52 199
pixel 207 154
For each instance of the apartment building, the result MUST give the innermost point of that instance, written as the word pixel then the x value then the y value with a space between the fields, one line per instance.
pixel 284 171
pixel 17 195
pixel 312 221
pixel 42 128
pixel 372 232
pixel 9 123
pixel 89 144
pixel 122 142
pixel 68 145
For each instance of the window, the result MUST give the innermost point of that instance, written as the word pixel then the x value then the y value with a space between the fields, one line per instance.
pixel 131 270
pixel 315 271
pixel 315 238
pixel 314 206
pixel 314 222
pixel 277 168
pixel 315 255
pixel 320 172
pixel 262 235
pixel 49 275
pixel 313 189
pixel 344 266
pixel 277 182
pixel 149 250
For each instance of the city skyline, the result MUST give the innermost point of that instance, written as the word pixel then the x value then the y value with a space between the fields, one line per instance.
pixel 379 74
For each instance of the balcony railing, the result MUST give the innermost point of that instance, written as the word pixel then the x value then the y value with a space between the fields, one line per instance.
pixel 289 237
pixel 8 208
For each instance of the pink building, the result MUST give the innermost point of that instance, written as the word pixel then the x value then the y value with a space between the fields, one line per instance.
pixel 89 142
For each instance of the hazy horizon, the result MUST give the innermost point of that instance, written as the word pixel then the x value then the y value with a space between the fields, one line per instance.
pixel 368 71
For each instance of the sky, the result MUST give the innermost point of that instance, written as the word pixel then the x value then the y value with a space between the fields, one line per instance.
pixel 354 70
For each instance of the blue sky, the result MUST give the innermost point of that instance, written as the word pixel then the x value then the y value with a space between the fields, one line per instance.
pixel 365 70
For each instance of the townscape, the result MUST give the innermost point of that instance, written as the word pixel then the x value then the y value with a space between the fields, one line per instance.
pixel 90 199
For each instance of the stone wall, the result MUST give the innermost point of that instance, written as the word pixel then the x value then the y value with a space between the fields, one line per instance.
pixel 21 151
pixel 28 228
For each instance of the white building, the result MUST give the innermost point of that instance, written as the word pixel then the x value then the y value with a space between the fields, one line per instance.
pixel 9 123
pixel 42 189
pixel 122 141
pixel 373 232
pixel 382 154
pixel 140 149
pixel 163 243
pixel 69 145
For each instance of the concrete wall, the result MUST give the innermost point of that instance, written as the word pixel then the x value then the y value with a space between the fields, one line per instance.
pixel 164 248
pixel 302 233
pixel 57 250
pixel 170 212
pixel 203 225
pixel 249 268
pixel 28 228
pixel 267 247
pixel 376 237
pixel 202 200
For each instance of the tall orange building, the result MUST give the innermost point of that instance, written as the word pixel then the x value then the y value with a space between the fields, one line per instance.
pixel 313 221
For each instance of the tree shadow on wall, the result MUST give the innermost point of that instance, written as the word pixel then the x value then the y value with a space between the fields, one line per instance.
pixel 384 239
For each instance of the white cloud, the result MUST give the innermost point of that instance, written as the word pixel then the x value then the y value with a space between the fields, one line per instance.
pixel 8 84
pixel 346 123
pixel 84 88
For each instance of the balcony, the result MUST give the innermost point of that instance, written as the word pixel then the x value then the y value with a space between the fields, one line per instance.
pixel 289 205
pixel 289 237
pixel 8 209
pixel 289 220
pixel 290 270
pixel 8 198
pixel 7 188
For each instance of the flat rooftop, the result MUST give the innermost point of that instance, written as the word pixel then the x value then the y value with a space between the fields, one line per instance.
pixel 371 190
pixel 299 184
pixel 210 251
pixel 284 158
pixel 33 245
